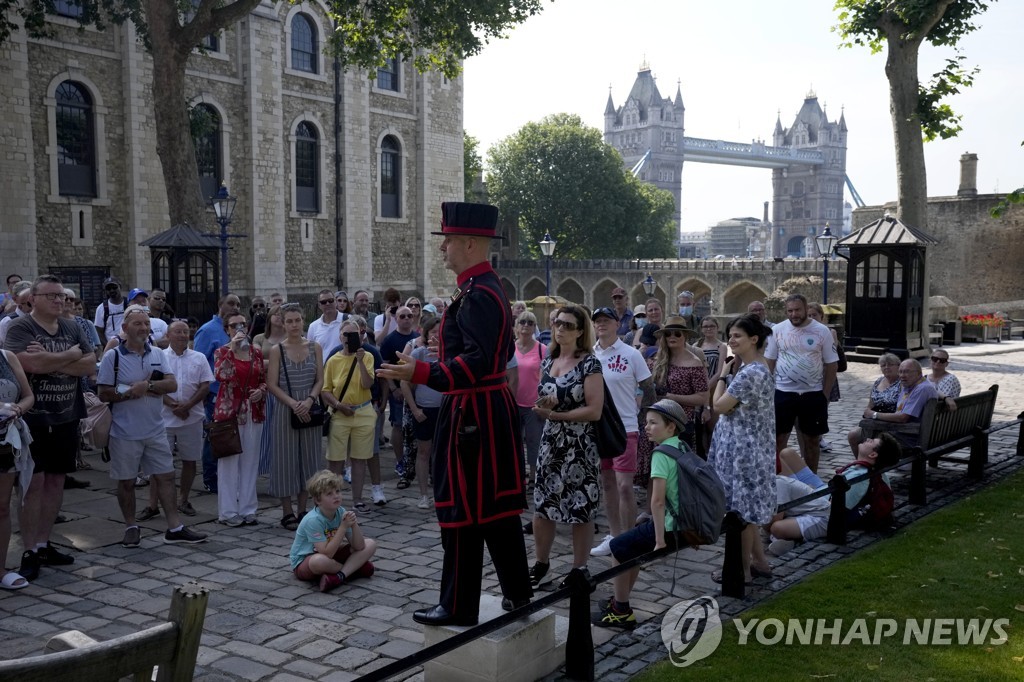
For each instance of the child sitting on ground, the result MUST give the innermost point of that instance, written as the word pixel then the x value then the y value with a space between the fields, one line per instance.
pixel 665 421
pixel 329 546
pixel 809 521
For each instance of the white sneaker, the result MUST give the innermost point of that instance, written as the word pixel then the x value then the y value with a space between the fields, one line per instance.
pixel 780 547
pixel 378 496
pixel 824 445
pixel 424 502
pixel 604 549
pixel 348 474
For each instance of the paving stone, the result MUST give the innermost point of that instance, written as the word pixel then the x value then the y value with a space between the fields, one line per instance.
pixel 308 669
pixel 225 623
pixel 398 648
pixel 350 658
pixel 257 653
pixel 317 649
pixel 366 640
pixel 144 584
pixel 258 633
pixel 242 668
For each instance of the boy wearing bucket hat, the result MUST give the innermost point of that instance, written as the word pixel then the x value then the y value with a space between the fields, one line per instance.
pixel 664 421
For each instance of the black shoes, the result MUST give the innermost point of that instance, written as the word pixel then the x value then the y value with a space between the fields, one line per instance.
pixel 49 556
pixel 29 566
pixel 439 615
pixel 538 574
pixel 509 605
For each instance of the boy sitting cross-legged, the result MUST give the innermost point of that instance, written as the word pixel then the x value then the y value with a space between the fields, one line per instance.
pixel 665 420
pixel 329 546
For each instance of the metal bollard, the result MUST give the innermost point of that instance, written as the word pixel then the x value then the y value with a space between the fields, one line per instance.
pixel 732 567
pixel 579 646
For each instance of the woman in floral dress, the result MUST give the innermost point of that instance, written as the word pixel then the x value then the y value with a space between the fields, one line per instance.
pixel 568 488
pixel 743 446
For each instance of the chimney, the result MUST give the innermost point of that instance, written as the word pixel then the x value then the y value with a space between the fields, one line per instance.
pixel 765 218
pixel 968 175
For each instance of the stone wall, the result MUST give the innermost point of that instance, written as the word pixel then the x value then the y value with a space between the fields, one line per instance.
pixel 978 257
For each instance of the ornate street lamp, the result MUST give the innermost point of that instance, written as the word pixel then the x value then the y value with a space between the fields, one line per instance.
pixel 224 207
pixel 650 285
pixel 825 243
pixel 547 247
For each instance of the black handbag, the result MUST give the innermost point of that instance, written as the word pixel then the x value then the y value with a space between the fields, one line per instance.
pixel 317 412
pixel 609 431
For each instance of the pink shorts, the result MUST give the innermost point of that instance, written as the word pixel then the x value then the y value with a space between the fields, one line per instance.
pixel 626 462
pixel 304 572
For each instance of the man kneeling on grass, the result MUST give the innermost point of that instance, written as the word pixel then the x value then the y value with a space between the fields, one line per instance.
pixel 329 546
pixel 809 521
pixel 665 420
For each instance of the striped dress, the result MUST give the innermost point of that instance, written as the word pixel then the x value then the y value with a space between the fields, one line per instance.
pixel 295 454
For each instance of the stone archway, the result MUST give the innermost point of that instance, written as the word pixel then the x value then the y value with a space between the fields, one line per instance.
pixel 795 247
pixel 570 290
pixel 510 289
pixel 601 295
pixel 737 297
pixel 638 295
pixel 533 288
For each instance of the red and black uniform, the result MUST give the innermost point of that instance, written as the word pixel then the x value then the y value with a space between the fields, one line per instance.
pixel 479 487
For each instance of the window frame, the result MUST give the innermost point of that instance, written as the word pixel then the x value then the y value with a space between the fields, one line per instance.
pixel 306 150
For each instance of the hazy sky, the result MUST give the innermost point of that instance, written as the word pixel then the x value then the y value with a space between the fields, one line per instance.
pixel 739 63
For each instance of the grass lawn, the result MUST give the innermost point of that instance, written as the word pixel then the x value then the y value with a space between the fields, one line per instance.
pixel 962 562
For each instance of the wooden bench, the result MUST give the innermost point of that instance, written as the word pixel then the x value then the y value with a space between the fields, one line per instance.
pixel 935 332
pixel 1011 327
pixel 173 646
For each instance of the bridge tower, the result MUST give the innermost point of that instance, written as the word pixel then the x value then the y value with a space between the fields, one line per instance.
pixel 807 197
pixel 649 122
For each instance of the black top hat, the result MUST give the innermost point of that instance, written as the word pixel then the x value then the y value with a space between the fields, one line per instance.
pixel 473 220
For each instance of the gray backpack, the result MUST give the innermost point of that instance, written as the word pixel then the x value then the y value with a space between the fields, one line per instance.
pixel 700 506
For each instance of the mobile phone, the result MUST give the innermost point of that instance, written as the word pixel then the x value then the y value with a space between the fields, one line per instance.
pixel 352 341
pixel 393 309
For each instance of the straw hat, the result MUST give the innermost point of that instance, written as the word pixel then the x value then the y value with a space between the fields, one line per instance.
pixel 677 324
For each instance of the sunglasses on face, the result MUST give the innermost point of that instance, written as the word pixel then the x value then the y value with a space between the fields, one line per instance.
pixel 405 317
pixel 940 360
pixel 528 323
pixel 616 297
pixel 257 306
pixel 53 297
pixel 414 305
pixel 674 334
pixel 238 325
pixel 566 325
pixel 326 301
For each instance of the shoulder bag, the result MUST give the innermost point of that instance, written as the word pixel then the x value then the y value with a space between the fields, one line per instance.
pixel 609 431
pixel 225 440
pixel 317 413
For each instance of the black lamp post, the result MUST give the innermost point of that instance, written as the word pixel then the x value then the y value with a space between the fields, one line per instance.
pixel 825 243
pixel 224 207
pixel 650 285
pixel 547 247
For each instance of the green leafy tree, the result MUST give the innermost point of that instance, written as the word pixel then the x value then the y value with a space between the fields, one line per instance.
pixel 472 167
pixel 918 113
pixel 435 34
pixel 559 176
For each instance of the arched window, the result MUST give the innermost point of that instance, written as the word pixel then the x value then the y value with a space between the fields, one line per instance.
pixel 304 47
pixel 76 141
pixel 206 136
pixel 307 168
pixel 390 178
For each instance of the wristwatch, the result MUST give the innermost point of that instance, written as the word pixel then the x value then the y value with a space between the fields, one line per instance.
pixel 874 415
pixel 149 387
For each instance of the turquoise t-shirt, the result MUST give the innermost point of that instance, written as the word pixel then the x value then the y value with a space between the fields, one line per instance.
pixel 663 466
pixel 314 528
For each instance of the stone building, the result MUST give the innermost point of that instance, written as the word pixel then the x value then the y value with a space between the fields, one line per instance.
pixel 84 185
pixel 807 197
pixel 977 260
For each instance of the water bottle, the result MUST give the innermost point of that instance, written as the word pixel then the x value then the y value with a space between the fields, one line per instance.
pixel 243 345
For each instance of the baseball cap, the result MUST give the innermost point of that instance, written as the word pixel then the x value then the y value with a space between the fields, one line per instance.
pixel 640 310
pixel 618 291
pixel 110 280
pixel 608 312
pixel 136 292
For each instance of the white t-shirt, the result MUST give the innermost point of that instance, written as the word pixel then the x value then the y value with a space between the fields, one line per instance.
pixel 112 325
pixel 326 334
pixel 800 355
pixel 623 368
pixel 378 324
pixel 190 369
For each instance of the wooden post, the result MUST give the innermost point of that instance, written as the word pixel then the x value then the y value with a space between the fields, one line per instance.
pixel 579 645
pixel 836 533
pixel 979 453
pixel 918 473
pixel 1020 436
pixel 188 610
pixel 732 567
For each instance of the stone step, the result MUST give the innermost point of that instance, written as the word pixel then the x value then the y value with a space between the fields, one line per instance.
pixel 522 651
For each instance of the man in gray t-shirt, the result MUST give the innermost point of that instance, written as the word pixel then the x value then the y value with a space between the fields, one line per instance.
pixel 133 377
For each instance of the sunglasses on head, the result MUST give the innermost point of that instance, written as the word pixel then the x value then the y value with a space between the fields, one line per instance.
pixel 566 325
pixel 940 360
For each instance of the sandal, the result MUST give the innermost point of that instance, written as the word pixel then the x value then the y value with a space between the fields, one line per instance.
pixel 360 506
pixel 758 573
pixel 81 465
pixel 403 483
pixel 13 581
pixel 289 522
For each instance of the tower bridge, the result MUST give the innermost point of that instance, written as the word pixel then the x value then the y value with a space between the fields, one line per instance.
pixel 807 159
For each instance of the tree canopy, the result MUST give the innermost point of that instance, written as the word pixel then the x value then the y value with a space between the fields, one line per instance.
pixel 472 166
pixel 918 111
pixel 559 176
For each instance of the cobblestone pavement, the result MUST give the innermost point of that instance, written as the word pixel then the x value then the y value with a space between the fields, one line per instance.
pixel 262 624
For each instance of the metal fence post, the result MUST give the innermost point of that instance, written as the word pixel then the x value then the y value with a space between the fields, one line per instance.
pixel 732 568
pixel 579 646
pixel 836 533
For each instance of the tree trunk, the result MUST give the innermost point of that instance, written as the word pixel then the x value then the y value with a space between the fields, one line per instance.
pixel 174 145
pixel 911 176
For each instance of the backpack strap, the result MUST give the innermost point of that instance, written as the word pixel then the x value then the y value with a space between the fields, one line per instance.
pixel 862 462
pixel 675 453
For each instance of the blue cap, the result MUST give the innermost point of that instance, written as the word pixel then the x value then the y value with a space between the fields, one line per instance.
pixel 136 292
